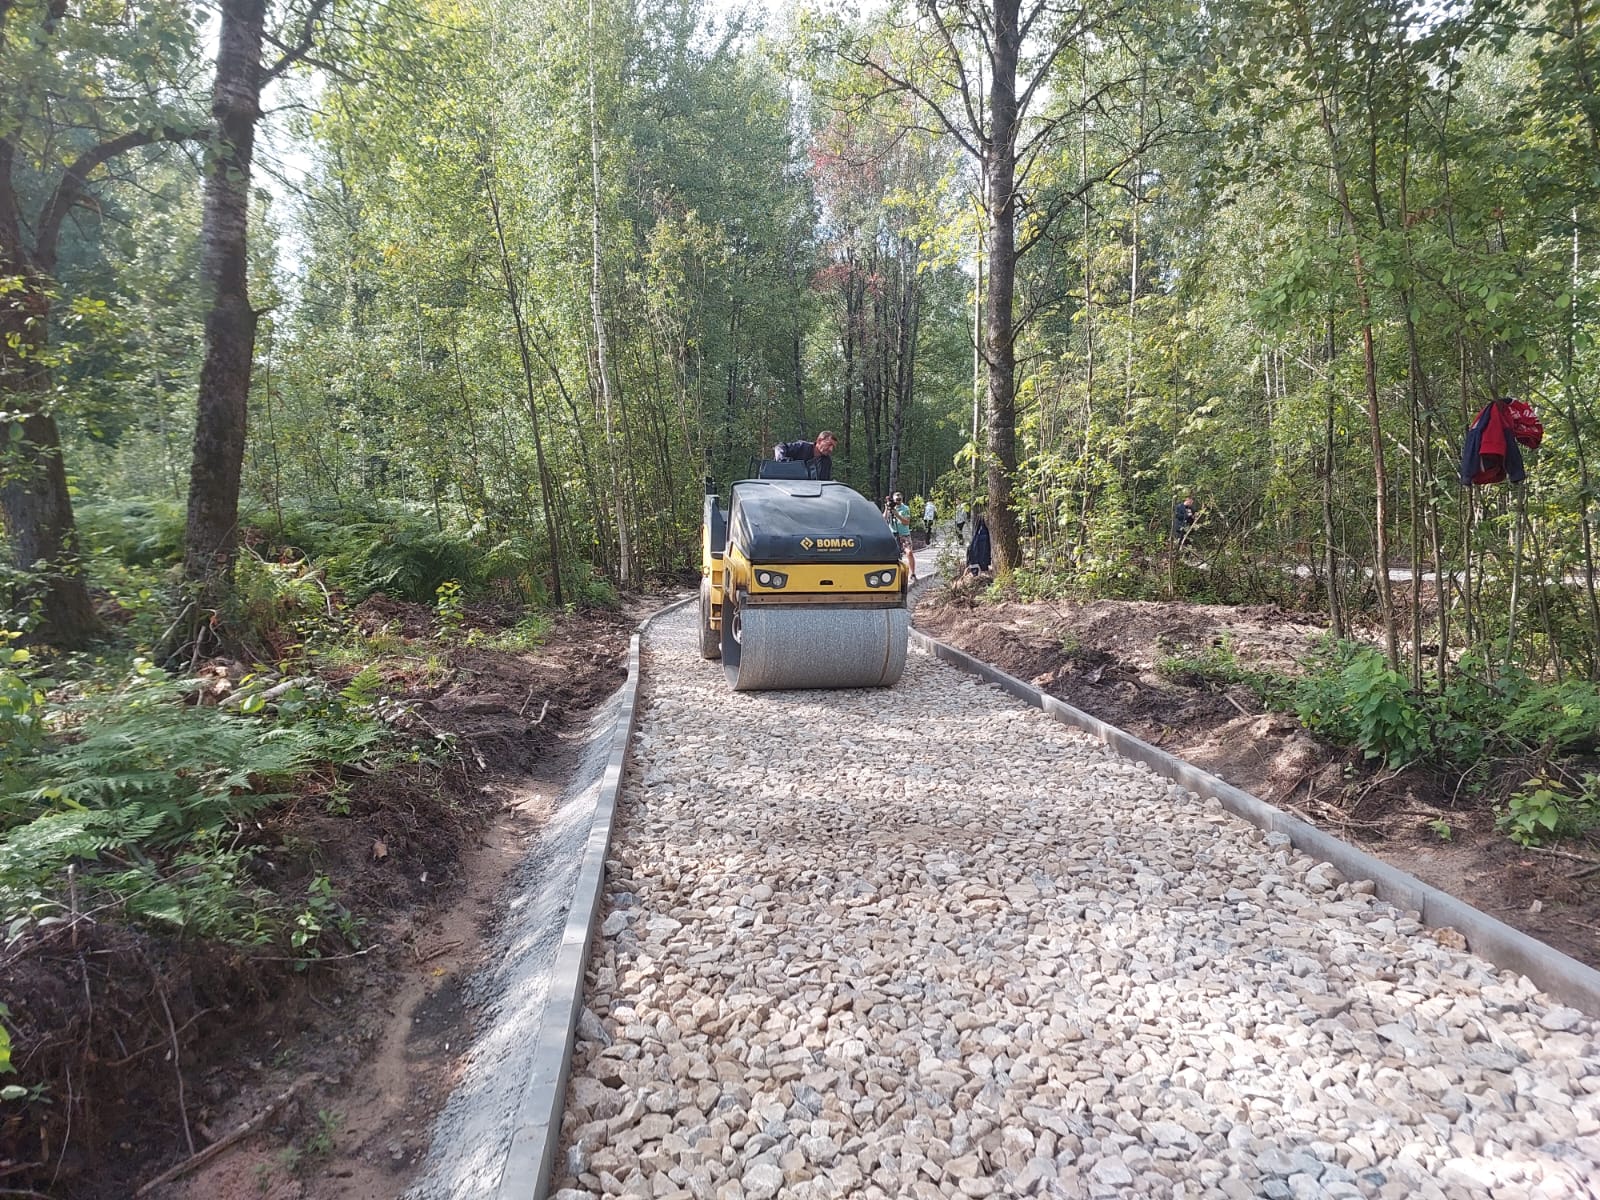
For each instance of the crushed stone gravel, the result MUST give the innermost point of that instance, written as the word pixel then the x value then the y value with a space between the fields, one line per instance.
pixel 927 942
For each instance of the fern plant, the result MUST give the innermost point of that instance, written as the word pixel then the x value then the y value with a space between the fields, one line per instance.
pixel 146 796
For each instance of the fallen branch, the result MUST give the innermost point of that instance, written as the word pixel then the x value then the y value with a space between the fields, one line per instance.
pixel 435 952
pixel 1378 781
pixel 311 962
pixel 251 1126
pixel 138 1054
pixel 1295 787
pixel 167 647
pixel 1551 850
pixel 540 718
pixel 270 694
pixel 1242 709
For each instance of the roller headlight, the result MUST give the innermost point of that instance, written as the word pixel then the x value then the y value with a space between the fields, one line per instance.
pixel 771 579
pixel 881 578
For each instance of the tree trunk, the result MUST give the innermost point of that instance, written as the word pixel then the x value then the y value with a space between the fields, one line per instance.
pixel 905 355
pixel 977 362
pixel 1330 547
pixel 34 500
pixel 1000 332
pixel 1370 368
pixel 546 491
pixel 625 566
pixel 39 522
pixel 211 538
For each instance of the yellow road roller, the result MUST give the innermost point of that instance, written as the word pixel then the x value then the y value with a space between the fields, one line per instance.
pixel 801 586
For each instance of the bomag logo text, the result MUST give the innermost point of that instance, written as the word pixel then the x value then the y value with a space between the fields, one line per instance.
pixel 828 543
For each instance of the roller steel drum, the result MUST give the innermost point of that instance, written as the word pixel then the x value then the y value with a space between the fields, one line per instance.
pixel 823 647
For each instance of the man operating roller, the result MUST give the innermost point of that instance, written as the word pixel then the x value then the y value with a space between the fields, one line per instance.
pixel 817 455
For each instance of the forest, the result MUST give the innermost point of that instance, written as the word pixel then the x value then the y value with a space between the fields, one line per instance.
pixel 460 304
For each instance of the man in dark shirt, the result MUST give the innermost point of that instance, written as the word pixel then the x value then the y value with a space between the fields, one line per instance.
pixel 1182 518
pixel 818 455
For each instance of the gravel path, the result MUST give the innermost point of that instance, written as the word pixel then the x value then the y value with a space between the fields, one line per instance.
pixel 928 942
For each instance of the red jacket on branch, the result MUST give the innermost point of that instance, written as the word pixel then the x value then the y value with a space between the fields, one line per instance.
pixel 1491 453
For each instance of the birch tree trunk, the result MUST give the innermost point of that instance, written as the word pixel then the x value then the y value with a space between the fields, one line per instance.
pixel 211 537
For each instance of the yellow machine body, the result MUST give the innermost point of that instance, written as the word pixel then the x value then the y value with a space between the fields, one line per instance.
pixel 802 586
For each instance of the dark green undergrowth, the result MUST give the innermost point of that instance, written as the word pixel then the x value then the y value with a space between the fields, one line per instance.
pixel 360 549
pixel 127 789
pixel 197 837
pixel 138 799
pixel 1349 694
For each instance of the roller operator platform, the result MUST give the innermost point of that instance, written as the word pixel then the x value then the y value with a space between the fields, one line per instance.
pixel 802 585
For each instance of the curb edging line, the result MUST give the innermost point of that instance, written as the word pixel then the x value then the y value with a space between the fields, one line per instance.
pixel 536 1133
pixel 1556 973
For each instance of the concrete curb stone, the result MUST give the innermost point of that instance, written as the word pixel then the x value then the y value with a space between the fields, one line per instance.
pixel 537 1131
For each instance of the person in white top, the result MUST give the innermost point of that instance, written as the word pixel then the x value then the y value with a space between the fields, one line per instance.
pixel 961 521
pixel 929 512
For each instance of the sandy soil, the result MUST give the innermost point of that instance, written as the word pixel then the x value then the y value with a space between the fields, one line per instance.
pixel 1102 657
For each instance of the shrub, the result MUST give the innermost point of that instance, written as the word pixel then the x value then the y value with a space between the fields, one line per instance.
pixel 447 603
pixel 1355 697
pixel 21 702
pixel 1544 812
pixel 273 602
pixel 1566 714
pixel 590 589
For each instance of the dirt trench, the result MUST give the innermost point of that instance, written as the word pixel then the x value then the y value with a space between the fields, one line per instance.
pixel 161 1048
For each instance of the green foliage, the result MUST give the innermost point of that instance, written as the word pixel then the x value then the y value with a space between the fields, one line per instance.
pixel 143 795
pixel 321 916
pixel 405 560
pixel 590 589
pixel 1350 694
pixel 1565 715
pixel 394 548
pixel 1355 697
pixel 529 633
pixel 325 1137
pixel 1219 663
pixel 1029 584
pixel 137 533
pixel 1544 812
pixel 448 604
pixel 21 701
pixel 1441 829
pixel 273 603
